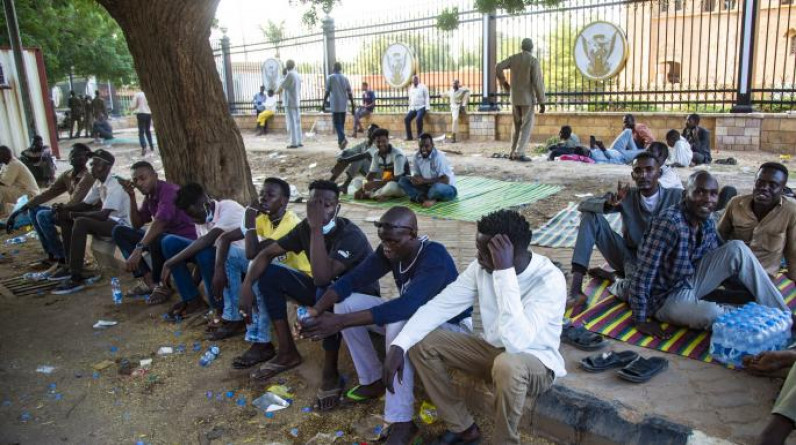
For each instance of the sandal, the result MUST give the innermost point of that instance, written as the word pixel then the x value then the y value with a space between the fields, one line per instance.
pixel 643 369
pixel 252 357
pixel 522 158
pixel 329 399
pixel 226 330
pixel 270 369
pixel 139 290
pixel 159 295
pixel 607 360
pixel 351 394
pixel 581 338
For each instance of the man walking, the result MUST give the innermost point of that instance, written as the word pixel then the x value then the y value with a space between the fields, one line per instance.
pixel 291 86
pixel 337 89
pixel 528 91
pixel 419 104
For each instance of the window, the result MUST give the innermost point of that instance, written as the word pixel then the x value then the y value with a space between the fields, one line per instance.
pixel 792 48
pixel 678 5
pixel 664 6
pixel 671 71
pixel 708 5
pixel 730 4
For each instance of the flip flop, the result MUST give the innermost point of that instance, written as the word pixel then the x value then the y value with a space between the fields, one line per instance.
pixel 607 360
pixel 270 369
pixel 581 338
pixel 643 369
pixel 248 359
pixel 352 395
pixel 332 395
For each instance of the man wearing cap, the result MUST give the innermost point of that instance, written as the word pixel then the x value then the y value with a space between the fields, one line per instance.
pixel 527 90
pixel 82 219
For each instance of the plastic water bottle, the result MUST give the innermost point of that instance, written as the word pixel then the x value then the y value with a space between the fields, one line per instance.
pixel 16 240
pixel 209 355
pixel 717 339
pixel 116 290
pixel 302 313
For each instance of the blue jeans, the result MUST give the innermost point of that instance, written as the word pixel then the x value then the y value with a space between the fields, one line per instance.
pixel 205 260
pixel 43 219
pixel 609 156
pixel 626 146
pixel 438 191
pixel 417 115
pixel 236 266
pixel 127 237
pixel 338 119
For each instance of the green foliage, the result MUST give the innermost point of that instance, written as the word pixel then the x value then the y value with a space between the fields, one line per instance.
pixel 511 6
pixel 448 19
pixel 310 16
pixel 434 54
pixel 274 33
pixel 78 34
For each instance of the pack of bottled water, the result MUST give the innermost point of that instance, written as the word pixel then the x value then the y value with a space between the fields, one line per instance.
pixel 749 330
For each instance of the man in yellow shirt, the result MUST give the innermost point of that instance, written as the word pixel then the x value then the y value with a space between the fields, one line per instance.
pixel 15 179
pixel 263 223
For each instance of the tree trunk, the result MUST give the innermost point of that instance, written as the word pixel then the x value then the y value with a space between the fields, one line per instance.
pixel 198 139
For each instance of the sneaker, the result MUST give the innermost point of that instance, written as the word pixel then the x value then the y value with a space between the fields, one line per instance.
pixel 61 273
pixel 69 286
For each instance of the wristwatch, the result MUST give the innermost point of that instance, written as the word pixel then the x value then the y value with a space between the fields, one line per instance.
pixel 140 246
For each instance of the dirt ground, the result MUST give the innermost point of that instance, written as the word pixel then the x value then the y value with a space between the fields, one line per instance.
pixel 177 401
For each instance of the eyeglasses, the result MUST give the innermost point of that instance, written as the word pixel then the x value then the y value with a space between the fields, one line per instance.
pixel 390 227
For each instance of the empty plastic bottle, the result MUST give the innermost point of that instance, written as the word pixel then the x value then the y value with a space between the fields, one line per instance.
pixel 16 240
pixel 302 313
pixel 209 355
pixel 116 289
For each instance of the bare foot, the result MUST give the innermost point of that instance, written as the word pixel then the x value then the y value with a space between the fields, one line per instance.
pixel 602 274
pixel 429 203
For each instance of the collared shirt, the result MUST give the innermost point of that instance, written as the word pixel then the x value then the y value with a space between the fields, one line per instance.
pixel 291 89
pixel 642 135
pixel 419 97
pixel 369 99
pixel 17 176
pixel 266 230
pixel 668 258
pixel 459 97
pixel 339 90
pixel 113 197
pixel 393 162
pixel 77 186
pixel 770 239
pixel 434 166
pixel 259 101
pixel 681 154
pixel 527 83
pixel 519 313
pixel 160 205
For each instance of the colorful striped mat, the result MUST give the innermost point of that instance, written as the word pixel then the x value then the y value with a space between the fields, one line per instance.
pixel 477 196
pixel 607 315
pixel 562 230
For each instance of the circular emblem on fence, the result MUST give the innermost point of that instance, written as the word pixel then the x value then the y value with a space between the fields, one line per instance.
pixel 272 73
pixel 398 65
pixel 601 50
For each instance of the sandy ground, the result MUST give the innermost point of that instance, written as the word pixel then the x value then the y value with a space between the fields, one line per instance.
pixel 177 401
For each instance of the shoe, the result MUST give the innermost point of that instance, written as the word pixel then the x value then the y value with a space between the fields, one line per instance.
pixel 69 286
pixel 343 144
pixel 292 146
pixel 402 433
pixel 228 329
pixel 300 145
pixel 61 273
pixel 470 436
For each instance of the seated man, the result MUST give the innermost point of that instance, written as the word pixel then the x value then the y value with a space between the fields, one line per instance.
pixel 459 98
pixel 388 166
pixel 421 269
pixel 765 220
pixel 102 129
pixel 39 160
pixel 669 178
pixel 680 153
pixel 76 182
pixel 356 160
pixel 335 246
pixel 269 110
pixel 15 180
pixel 633 139
pixel 263 222
pixel 568 141
pixel 783 415
pixel 212 218
pixel 432 177
pixel 518 299
pixel 80 220
pixel 367 107
pixel 637 206
pixel 159 209
pixel 680 261
pixel 699 138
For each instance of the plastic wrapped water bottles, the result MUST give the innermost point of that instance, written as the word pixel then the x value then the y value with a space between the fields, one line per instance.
pixel 116 288
pixel 749 330
pixel 209 356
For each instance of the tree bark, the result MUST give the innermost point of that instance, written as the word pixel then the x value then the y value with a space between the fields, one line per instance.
pixel 198 139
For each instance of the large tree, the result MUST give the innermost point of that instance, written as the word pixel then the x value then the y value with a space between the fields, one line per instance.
pixel 198 139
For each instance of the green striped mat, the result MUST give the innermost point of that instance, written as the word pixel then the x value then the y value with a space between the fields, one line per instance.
pixel 477 197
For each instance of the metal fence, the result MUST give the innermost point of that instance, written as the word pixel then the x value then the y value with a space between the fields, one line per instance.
pixel 684 55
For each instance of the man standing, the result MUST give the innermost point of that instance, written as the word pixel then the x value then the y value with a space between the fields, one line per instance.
pixel 291 100
pixel 89 113
pixel 75 114
pixel 338 89
pixel 98 107
pixel 432 177
pixel 419 104
pixel 459 97
pixel 699 138
pixel 367 107
pixel 15 179
pixel 259 101
pixel 528 90
pixel 140 106
pixel 388 166
pixel 518 302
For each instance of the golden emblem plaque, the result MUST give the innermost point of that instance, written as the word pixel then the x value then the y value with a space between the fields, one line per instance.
pixel 601 50
pixel 398 64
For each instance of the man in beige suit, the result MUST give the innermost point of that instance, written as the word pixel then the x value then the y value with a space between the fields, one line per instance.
pixel 528 90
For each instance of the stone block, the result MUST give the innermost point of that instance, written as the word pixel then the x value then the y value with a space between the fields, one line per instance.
pixel 721 131
pixel 787 125
pixel 751 131
pixel 735 131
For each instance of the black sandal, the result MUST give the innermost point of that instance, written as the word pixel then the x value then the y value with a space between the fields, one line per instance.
pixel 226 330
pixel 251 358
pixel 581 338
pixel 607 360
pixel 643 369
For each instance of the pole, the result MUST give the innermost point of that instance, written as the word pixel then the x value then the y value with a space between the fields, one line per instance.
pixel 329 53
pixel 746 56
pixel 488 78
pixel 228 80
pixel 19 62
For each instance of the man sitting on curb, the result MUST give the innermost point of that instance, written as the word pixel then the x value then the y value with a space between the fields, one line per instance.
pixel 783 415
pixel 637 206
pixel 432 177
pixel 388 166
pixel 680 261
pixel 356 160
pixel 16 180
pixel 212 218
pixel 518 299
pixel 159 209
pixel 669 178
pixel 680 153
pixel 699 138
pixel 421 270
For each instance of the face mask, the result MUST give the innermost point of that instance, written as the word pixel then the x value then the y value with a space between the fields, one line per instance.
pixel 331 224
pixel 208 214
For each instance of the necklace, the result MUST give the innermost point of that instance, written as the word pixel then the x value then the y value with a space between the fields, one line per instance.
pixel 422 244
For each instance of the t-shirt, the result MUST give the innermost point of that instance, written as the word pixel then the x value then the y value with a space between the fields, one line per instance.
pixel 160 205
pixel 226 216
pixel 369 99
pixel 346 243
pixel 17 176
pixel 434 166
pixel 140 104
pixel 649 203
pixel 113 198
pixel 669 178
pixel 339 88
pixel 393 162
pixel 266 230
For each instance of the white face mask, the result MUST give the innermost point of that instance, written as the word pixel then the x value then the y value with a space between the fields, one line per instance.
pixel 332 223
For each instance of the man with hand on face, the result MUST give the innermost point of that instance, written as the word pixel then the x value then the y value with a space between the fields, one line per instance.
pixel 432 177
pixel 387 168
pixel 637 206
pixel 265 221
pixel 421 269
pixel 518 300
pixel 680 261
pixel 159 209
pixel 212 218
pixel 335 246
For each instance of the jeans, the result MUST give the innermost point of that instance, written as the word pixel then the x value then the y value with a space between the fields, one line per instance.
pixel 236 266
pixel 171 245
pixel 76 231
pixel 338 119
pixel 626 146
pixel 127 237
pixel 358 115
pixel 438 191
pixel 43 219
pixel 418 116
pixel 144 129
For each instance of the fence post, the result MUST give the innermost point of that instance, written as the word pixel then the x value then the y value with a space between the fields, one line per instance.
pixel 746 56
pixel 489 53
pixel 226 59
pixel 329 56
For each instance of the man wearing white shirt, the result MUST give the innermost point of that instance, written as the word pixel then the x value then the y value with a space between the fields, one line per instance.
pixel 669 178
pixel 140 106
pixel 419 104
pixel 269 110
pixel 291 100
pixel 518 301
pixel 680 153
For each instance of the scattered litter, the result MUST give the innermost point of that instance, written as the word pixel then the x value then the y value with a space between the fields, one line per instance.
pixel 230 394
pixel 209 395
pixel 197 346
pixel 281 390
pixel 24 417
pixel 114 349
pixel 306 409
pixel 102 324
pixel 180 349
pixel 784 157
pixel 313 165
pixel 6 402
pixel 177 333
pixel 322 439
pixel 270 416
pixel 584 195
pixel 270 402
pixel 369 428
pixel 16 240
pixel 145 363
pixel 103 365
pixel 95 375
pixel 45 369
pixel 165 350
pixel 125 367
pixel 339 433
pixel 428 412
pixel 294 432
pixel 241 401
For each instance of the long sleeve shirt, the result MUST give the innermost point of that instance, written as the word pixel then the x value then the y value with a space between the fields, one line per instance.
pixel 699 138
pixel 419 98
pixel 291 89
pixel 77 186
pixel 527 84
pixel 681 154
pixel 519 313
pixel 16 175
pixel 668 258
